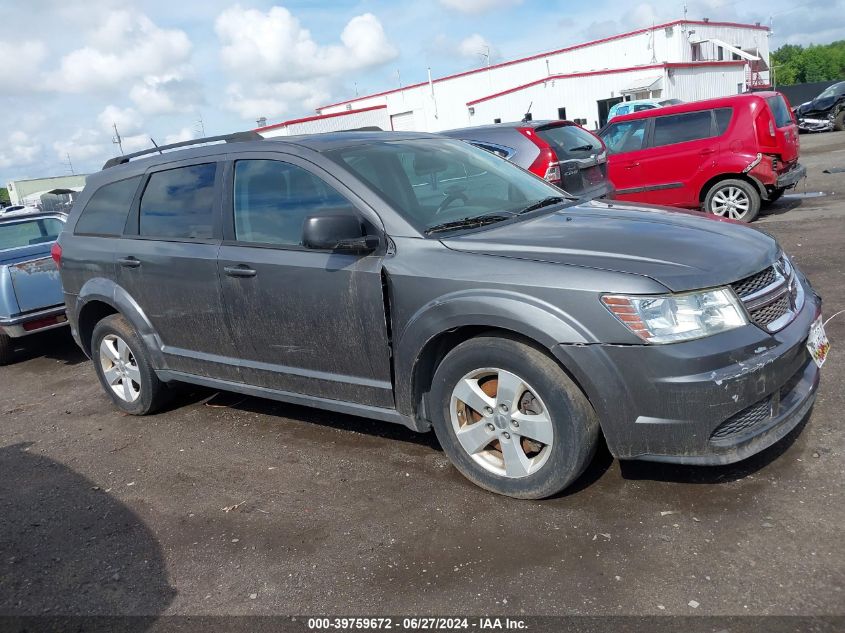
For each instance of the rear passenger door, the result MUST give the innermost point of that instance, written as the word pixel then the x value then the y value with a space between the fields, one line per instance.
pixel 167 261
pixel 682 147
pixel 303 321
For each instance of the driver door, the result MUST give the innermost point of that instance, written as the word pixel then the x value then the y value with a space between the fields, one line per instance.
pixel 303 321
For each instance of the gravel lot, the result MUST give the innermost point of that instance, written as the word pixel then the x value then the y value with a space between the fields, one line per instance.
pixel 233 505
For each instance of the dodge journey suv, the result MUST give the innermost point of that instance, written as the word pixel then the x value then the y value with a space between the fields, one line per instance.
pixel 339 271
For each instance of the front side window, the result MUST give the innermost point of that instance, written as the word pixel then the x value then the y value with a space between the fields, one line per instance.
pixel 29 232
pixel 435 181
pixel 627 136
pixel 682 128
pixel 179 203
pixel 272 200
pixel 106 211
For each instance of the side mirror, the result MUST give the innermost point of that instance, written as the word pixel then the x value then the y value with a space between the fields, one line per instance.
pixel 333 231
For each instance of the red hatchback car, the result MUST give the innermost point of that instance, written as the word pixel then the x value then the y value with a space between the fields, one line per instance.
pixel 727 156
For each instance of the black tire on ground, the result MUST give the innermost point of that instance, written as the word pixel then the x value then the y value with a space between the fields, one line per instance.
pixel 839 121
pixel 153 392
pixel 6 349
pixel 725 187
pixel 574 423
pixel 774 196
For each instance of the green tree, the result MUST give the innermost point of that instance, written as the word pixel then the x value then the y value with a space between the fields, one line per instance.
pixel 4 196
pixel 796 64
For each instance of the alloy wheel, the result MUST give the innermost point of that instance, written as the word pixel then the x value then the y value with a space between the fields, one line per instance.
pixel 501 422
pixel 120 368
pixel 731 202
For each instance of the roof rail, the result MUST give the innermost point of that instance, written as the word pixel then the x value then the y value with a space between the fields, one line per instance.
pixel 228 138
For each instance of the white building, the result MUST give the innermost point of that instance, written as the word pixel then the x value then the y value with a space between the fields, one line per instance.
pixel 687 60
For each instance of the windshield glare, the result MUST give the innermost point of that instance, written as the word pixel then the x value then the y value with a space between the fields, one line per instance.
pixel 29 232
pixel 434 181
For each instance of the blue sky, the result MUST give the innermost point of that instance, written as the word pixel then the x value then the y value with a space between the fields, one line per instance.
pixel 155 67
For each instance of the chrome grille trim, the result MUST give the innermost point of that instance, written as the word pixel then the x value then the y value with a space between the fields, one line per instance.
pixel 773 306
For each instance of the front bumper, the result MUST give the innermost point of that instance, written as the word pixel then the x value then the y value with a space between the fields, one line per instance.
pixel 22 325
pixel 815 125
pixel 791 178
pixel 715 400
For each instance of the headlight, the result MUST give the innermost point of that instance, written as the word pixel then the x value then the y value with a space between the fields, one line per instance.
pixel 670 318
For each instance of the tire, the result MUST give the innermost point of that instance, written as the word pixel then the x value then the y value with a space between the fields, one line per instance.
pixel 839 120
pixel 124 369
pixel 6 349
pixel 532 453
pixel 774 196
pixel 733 199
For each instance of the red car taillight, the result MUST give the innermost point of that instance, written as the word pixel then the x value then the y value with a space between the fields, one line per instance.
pixel 546 165
pixel 764 124
pixel 56 254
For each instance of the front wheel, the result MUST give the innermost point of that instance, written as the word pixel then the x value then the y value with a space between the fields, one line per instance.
pixel 733 199
pixel 510 419
pixel 6 349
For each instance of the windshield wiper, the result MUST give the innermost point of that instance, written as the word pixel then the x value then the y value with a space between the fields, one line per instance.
pixel 545 202
pixel 468 223
pixel 581 148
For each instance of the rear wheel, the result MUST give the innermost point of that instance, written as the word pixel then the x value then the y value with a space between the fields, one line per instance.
pixel 124 368
pixel 6 349
pixel 839 121
pixel 510 419
pixel 734 199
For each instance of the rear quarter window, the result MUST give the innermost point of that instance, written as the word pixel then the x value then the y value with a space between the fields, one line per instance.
pixel 682 128
pixel 723 119
pixel 107 210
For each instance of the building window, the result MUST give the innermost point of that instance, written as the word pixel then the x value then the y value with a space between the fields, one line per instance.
pixel 497 120
pixel 696 52
pixel 561 114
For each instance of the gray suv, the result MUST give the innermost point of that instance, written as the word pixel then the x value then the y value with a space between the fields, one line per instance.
pixel 416 279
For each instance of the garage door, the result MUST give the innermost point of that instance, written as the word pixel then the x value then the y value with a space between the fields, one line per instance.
pixel 403 122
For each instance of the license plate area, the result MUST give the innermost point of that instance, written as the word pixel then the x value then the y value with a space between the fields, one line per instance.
pixel 817 343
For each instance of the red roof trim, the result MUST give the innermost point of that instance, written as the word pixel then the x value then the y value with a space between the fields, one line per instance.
pixel 554 52
pixel 609 71
pixel 317 118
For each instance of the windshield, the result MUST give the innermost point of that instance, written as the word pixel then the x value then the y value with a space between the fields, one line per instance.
pixel 831 91
pixel 570 141
pixel 432 182
pixel 29 232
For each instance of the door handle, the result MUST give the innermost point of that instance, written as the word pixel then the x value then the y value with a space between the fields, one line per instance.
pixel 240 271
pixel 129 262
pixel 632 165
pixel 707 152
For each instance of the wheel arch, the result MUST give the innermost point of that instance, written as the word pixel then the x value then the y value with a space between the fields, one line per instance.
pixel 761 189
pixel 100 298
pixel 444 324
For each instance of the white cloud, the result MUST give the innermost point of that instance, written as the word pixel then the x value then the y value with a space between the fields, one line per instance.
pixel 166 94
pixel 185 134
pixel 278 67
pixel 476 46
pixel 474 7
pixel 128 120
pixel 19 69
pixel 82 145
pixel 126 47
pixel 275 47
pixel 19 149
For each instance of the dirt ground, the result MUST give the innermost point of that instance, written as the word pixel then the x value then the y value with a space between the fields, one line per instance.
pixel 232 505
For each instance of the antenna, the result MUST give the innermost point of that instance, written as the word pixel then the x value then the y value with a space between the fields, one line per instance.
pixel 199 126
pixel 116 138
pixel 156 145
pixel 69 164
pixel 527 113
pixel 486 55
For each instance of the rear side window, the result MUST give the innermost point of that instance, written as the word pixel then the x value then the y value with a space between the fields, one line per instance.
pixel 723 119
pixel 106 211
pixel 682 128
pixel 624 137
pixel 570 141
pixel 644 106
pixel 29 232
pixel 781 113
pixel 179 203
pixel 272 200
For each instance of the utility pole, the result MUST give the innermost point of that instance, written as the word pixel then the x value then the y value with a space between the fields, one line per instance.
pixel 201 126
pixel 116 138
pixel 486 55
pixel 69 164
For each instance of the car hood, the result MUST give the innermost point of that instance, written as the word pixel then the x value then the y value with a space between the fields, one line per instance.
pixel 681 250
pixel 818 105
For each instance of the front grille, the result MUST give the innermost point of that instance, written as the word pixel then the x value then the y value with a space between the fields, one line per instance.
pixel 771 295
pixel 752 284
pixel 744 420
pixel 771 312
